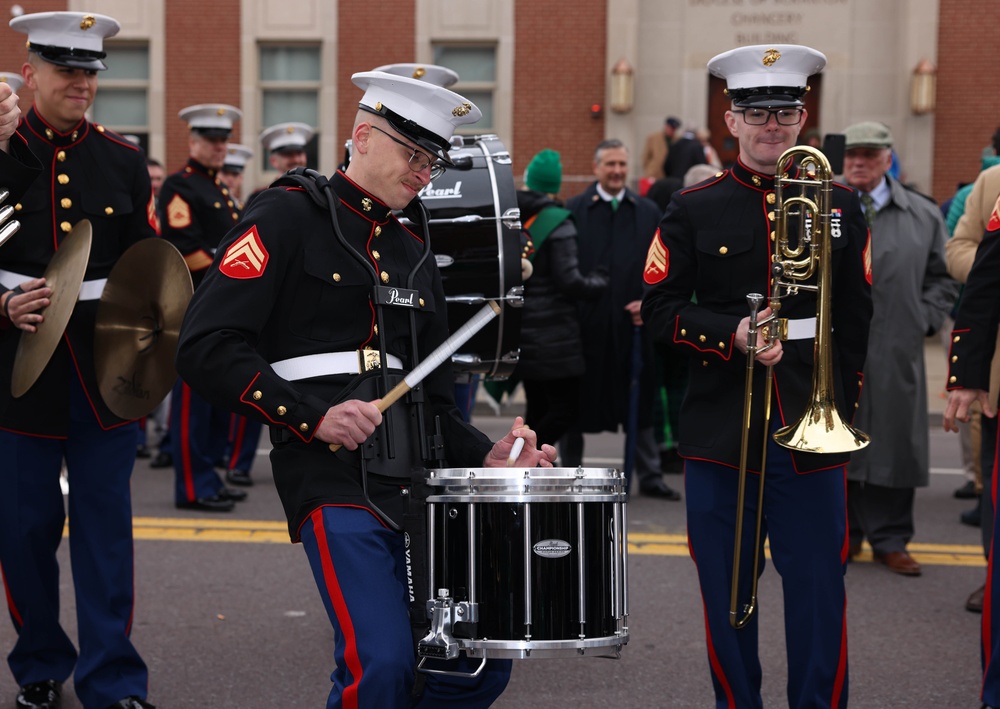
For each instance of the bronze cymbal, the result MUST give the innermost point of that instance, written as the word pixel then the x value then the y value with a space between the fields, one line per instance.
pixel 138 325
pixel 63 275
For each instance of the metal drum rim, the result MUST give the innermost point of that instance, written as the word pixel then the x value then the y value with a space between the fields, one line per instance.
pixel 491 497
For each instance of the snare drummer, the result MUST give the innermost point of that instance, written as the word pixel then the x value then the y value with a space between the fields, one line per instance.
pixel 715 239
pixel 283 329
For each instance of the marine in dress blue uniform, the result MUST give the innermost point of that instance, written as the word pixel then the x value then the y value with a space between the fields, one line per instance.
pixel 715 242
pixel 197 211
pixel 287 328
pixel 973 342
pixel 89 173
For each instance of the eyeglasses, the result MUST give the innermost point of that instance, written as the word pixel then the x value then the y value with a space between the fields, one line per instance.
pixel 418 161
pixel 760 116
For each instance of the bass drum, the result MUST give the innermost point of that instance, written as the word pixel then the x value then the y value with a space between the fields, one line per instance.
pixel 475 232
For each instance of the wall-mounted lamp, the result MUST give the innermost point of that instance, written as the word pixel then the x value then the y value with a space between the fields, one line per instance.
pixel 622 87
pixel 923 88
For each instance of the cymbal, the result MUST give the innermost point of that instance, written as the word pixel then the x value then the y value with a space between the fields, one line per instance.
pixel 138 326
pixel 63 275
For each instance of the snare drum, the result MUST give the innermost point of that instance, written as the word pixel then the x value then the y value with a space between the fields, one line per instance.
pixel 536 558
pixel 475 233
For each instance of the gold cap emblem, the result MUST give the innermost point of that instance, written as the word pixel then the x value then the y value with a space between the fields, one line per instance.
pixel 462 110
pixel 220 111
pixel 290 129
pixel 378 105
pixel 87 22
pixel 771 56
pixel 366 204
pixel 419 73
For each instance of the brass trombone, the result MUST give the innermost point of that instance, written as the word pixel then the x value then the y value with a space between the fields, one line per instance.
pixel 820 429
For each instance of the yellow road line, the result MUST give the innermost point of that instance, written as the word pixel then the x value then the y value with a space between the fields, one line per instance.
pixel 186 529
pixel 642 543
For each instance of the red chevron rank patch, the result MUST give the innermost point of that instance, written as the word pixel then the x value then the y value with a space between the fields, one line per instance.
pixel 657 261
pixel 994 222
pixel 246 257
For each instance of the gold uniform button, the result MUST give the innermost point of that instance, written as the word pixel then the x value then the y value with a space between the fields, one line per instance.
pixel 282 411
pixel 772 236
pixel 722 345
pixel 66 227
pixel 421 302
pixel 771 198
pixel 957 338
pixel 217 205
pixel 65 203
pixel 18 207
pixel 723 250
pixel 336 278
pixel 376 255
pixel 61 156
pixel 229 203
pixel 704 363
pixel 701 338
pixel 225 191
pixel 378 231
pixel 954 358
pixel 952 379
pixel 49 134
pixel 109 210
pixel 100 129
pixel 303 427
pixel 62 179
pixel 236 216
pixel 258 395
pixel 375 329
pixel 684 332
pixel 771 216
pixel 385 277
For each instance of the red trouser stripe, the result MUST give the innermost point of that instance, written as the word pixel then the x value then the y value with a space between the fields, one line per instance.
pixel 10 600
pixel 349 697
pixel 185 434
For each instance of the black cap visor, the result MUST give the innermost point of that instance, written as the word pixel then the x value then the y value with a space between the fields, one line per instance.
pixel 212 133
pixel 768 96
pixel 68 56
pixel 425 139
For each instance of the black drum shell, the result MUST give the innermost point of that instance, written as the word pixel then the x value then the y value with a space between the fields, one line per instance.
pixel 479 251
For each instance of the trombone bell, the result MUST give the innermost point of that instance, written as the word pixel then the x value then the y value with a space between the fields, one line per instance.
pixel 821 430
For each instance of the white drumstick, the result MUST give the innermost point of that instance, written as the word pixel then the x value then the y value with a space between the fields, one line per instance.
pixel 436 358
pixel 515 451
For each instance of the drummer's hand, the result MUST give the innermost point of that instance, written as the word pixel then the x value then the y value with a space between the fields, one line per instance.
pixel 769 357
pixel 21 308
pixel 10 115
pixel 530 457
pixel 959 406
pixel 349 423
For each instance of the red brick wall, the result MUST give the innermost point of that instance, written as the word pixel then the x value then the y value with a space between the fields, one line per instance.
pixel 12 51
pixel 551 111
pixel 202 65
pixel 968 99
pixel 368 39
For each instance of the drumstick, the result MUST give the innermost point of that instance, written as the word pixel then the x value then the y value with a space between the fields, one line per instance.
pixel 436 358
pixel 515 450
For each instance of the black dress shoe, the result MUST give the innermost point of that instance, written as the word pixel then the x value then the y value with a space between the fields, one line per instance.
pixel 658 488
pixel 231 493
pixel 974 603
pixel 972 517
pixel 967 491
pixel 40 695
pixel 239 477
pixel 162 460
pixel 131 703
pixel 215 503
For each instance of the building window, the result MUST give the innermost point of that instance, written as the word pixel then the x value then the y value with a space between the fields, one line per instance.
pixel 122 103
pixel 290 83
pixel 476 66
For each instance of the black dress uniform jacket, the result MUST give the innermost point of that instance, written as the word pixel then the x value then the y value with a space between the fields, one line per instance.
pixel 713 244
pixel 88 173
pixel 973 339
pixel 196 212
pixel 307 295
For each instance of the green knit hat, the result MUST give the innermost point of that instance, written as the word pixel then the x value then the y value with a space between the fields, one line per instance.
pixel 544 173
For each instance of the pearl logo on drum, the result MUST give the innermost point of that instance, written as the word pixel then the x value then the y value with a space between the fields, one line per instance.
pixel 430 192
pixel 552 548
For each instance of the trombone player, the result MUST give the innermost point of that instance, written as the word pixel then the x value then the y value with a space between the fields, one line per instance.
pixel 716 242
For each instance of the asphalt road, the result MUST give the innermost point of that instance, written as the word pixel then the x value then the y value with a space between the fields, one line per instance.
pixel 228 616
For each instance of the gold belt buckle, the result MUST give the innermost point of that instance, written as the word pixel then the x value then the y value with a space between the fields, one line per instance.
pixel 368 360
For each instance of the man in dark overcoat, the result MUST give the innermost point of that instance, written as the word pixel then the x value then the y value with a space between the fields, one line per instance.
pixel 615 226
